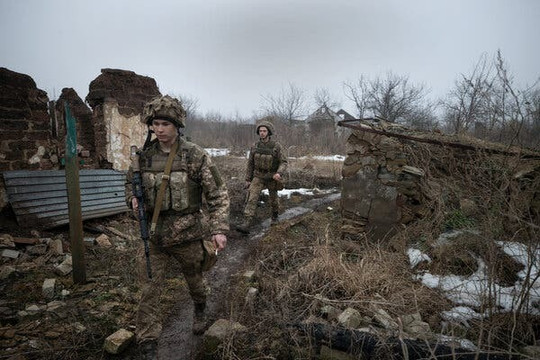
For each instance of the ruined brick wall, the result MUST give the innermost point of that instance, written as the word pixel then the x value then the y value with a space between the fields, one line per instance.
pixel 117 98
pixel 24 124
pixel 379 190
pixel 25 136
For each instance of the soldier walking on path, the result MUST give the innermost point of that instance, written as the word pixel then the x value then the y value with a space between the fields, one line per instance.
pixel 265 168
pixel 183 229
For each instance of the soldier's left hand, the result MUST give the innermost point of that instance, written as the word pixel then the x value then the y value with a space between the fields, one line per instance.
pixel 135 207
pixel 276 177
pixel 220 240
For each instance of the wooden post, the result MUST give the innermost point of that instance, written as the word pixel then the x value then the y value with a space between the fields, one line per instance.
pixel 74 200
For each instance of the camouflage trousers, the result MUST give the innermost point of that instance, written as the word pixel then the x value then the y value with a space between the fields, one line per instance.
pixel 255 188
pixel 150 313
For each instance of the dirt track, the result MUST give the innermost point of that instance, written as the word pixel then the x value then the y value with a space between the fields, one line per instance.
pixel 177 341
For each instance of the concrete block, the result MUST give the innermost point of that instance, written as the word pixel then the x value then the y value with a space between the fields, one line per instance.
pixel 117 342
pixel 56 247
pixel 12 254
pixel 251 295
pixel 221 330
pixel 350 318
pixel 47 289
pixel 103 240
pixel 249 275
pixel 65 267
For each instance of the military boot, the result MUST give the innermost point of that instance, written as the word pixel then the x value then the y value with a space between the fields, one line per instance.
pixel 199 319
pixel 275 216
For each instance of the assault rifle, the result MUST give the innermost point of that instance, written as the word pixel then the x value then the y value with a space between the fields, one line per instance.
pixel 139 194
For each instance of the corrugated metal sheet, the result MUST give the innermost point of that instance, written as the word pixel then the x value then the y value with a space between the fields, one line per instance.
pixel 39 198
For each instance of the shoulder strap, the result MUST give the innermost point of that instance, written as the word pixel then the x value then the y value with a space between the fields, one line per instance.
pixel 161 193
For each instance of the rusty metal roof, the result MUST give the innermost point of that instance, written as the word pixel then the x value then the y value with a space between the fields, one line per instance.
pixel 39 198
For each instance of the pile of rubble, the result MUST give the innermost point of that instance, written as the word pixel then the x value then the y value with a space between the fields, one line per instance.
pixel 42 310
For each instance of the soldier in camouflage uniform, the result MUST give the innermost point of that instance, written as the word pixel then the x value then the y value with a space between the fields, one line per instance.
pixel 184 231
pixel 265 167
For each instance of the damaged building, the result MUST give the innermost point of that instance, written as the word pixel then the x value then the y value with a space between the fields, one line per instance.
pixel 34 134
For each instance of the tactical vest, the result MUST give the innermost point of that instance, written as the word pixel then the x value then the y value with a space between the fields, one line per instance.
pixel 265 157
pixel 183 195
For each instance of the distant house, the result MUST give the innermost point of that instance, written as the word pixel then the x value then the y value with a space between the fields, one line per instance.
pixel 325 118
pixel 345 115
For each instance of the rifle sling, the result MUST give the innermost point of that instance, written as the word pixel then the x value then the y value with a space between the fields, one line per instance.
pixel 161 193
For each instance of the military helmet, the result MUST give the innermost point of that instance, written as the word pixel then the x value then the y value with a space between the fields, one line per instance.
pixel 267 124
pixel 165 108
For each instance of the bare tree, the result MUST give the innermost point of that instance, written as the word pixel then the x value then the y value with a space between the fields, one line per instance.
pixel 358 93
pixel 467 103
pixel 322 97
pixel 488 105
pixel 393 98
pixel 532 111
pixel 190 104
pixel 423 117
pixel 288 105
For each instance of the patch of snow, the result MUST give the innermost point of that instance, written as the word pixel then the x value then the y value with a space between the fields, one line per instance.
pixel 416 257
pixel 302 191
pixel 463 343
pixel 330 158
pixel 321 157
pixel 472 291
pixel 529 257
pixel 460 314
pixel 217 152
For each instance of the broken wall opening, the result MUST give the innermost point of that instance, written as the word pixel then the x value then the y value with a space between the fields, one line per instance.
pixel 117 98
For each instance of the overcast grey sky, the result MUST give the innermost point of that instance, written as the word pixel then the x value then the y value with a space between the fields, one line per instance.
pixel 229 53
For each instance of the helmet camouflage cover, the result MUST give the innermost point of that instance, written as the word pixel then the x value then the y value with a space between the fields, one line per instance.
pixel 165 108
pixel 267 124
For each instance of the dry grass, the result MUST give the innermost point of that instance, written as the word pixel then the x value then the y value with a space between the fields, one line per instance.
pixel 305 266
pixel 302 267
pixel 313 171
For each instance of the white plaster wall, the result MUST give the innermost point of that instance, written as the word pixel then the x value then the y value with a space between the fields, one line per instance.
pixel 122 132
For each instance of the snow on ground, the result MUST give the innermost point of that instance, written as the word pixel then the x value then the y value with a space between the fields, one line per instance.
pixel 217 152
pixel 214 152
pixel 320 157
pixel 326 158
pixel 302 191
pixel 416 257
pixel 471 292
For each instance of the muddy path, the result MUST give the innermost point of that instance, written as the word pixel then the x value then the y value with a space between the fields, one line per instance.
pixel 177 341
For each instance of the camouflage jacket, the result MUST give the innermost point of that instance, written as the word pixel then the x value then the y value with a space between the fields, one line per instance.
pixel 196 202
pixel 265 159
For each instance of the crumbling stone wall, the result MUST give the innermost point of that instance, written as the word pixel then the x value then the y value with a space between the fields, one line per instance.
pixel 117 98
pixel 24 124
pixel 379 190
